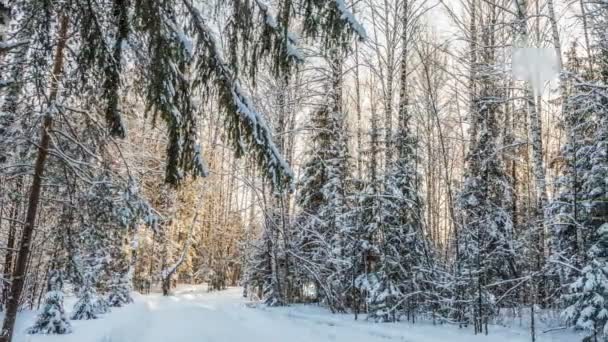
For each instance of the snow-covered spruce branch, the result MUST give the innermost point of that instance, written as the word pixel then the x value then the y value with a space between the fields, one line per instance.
pixel 93 120
pixel 347 15
pixel 291 43
pixel 241 114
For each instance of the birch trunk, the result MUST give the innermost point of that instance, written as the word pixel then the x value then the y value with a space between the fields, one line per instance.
pixel 535 136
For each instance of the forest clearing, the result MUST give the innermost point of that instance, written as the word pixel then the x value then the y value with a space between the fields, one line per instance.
pixel 194 314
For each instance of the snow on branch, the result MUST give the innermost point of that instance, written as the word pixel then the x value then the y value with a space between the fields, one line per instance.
pixel 7 46
pixel 5 83
pixel 246 127
pixel 347 15
pixel 291 45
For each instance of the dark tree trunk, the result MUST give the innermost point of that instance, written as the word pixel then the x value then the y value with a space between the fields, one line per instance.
pixel 18 279
pixel 10 246
pixel 166 286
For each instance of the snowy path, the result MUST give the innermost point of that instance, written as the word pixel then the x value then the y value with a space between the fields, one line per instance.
pixel 193 315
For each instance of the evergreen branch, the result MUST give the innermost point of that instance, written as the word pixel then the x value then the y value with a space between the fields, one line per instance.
pixel 290 44
pixel 247 127
pixel 347 16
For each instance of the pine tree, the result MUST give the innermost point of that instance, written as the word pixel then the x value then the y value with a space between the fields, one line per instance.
pixel 588 295
pixel 580 232
pixel 112 208
pixel 94 256
pixel 259 271
pixel 369 219
pixel 323 197
pixel 404 251
pixel 486 242
pixel 52 319
pixel 87 307
pixel 567 208
pixel 589 292
pixel 118 218
pixel 120 288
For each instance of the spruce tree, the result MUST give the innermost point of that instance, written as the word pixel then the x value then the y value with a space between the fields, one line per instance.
pixel 120 288
pixel 92 261
pixel 486 240
pixel 112 208
pixel 323 196
pixel 567 208
pixel 52 319
pixel 588 294
pixel 404 251
pixel 87 307
pixel 369 220
pixel 259 271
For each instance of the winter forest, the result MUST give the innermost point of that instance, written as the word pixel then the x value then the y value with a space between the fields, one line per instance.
pixel 363 168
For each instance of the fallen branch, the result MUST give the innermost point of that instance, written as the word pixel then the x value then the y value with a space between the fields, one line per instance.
pixel 554 329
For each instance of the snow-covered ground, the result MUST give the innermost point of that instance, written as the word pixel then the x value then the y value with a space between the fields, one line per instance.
pixel 193 315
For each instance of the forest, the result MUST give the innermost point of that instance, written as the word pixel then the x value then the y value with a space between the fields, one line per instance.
pixel 438 162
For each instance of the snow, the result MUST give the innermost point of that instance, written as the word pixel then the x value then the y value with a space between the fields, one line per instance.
pixel 186 42
pixel 349 17
pixel 5 46
pixel 5 83
pixel 249 117
pixel 193 314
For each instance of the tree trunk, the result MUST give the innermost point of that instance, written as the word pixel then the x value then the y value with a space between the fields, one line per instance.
pixel 590 57
pixel 5 18
pixel 358 110
pixel 18 279
pixel 166 285
pixel 537 151
pixel 10 247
